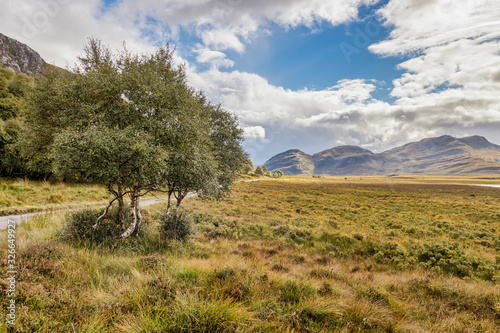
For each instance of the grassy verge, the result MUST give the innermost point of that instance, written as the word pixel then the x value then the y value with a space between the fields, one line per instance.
pixel 303 255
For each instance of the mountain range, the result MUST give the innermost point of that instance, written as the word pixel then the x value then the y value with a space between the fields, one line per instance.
pixel 440 156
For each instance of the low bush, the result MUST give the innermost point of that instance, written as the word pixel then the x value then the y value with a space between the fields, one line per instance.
pixel 216 227
pixel 450 259
pixel 78 228
pixel 177 227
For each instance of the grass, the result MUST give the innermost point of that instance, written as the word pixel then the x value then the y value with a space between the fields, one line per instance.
pixel 376 254
pixel 24 196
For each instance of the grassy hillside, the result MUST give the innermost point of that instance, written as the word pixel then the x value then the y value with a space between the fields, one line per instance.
pixel 299 255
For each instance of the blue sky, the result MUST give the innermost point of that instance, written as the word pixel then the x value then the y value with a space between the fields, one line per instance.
pixel 306 74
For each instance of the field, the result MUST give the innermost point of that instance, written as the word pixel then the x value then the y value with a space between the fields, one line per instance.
pixel 24 196
pixel 379 254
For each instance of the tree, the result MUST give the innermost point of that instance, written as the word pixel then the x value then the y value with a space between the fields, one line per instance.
pixel 133 124
pixel 47 105
pixel 226 136
pixel 209 159
pixel 12 90
pixel 278 174
pixel 101 123
pixel 248 167
pixel 127 161
pixel 10 162
pixel 259 171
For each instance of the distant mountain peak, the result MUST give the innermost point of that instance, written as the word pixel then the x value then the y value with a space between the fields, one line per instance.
pixel 477 142
pixel 440 155
pixel 19 57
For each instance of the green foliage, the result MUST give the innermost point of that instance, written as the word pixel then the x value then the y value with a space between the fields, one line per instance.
pixel 12 91
pixel 103 155
pixel 248 167
pixel 11 163
pixel 77 228
pixel 177 227
pixel 216 227
pixel 226 136
pixel 46 116
pixel 278 174
pixel 450 259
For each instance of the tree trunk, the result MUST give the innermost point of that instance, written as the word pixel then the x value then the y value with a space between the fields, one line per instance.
pixel 169 204
pixel 133 215
pixel 100 218
pixel 138 216
pixel 176 210
pixel 121 209
pixel 179 198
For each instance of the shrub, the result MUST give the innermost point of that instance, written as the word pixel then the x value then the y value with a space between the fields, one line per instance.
pixel 216 227
pixel 449 258
pixel 78 228
pixel 177 227
pixel 391 253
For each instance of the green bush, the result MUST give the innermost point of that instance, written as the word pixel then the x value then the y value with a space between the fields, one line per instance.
pixel 450 259
pixel 216 227
pixel 393 254
pixel 177 227
pixel 78 228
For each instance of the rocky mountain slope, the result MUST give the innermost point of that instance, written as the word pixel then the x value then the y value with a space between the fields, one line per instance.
pixel 19 57
pixel 442 155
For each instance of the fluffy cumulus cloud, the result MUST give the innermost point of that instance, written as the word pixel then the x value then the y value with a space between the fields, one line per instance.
pixel 229 24
pixel 254 132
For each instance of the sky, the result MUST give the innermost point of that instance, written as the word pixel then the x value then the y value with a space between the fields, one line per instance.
pixel 305 74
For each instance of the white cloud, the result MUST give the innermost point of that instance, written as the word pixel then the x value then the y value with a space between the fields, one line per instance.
pixel 229 24
pixel 215 58
pixel 254 132
pixel 58 29
pixel 455 45
pixel 420 24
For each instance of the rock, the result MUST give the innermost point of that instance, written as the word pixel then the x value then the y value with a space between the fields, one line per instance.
pixel 19 57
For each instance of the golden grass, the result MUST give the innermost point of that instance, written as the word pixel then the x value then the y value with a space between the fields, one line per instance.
pixel 297 255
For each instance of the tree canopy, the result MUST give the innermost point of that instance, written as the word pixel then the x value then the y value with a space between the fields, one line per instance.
pixel 13 88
